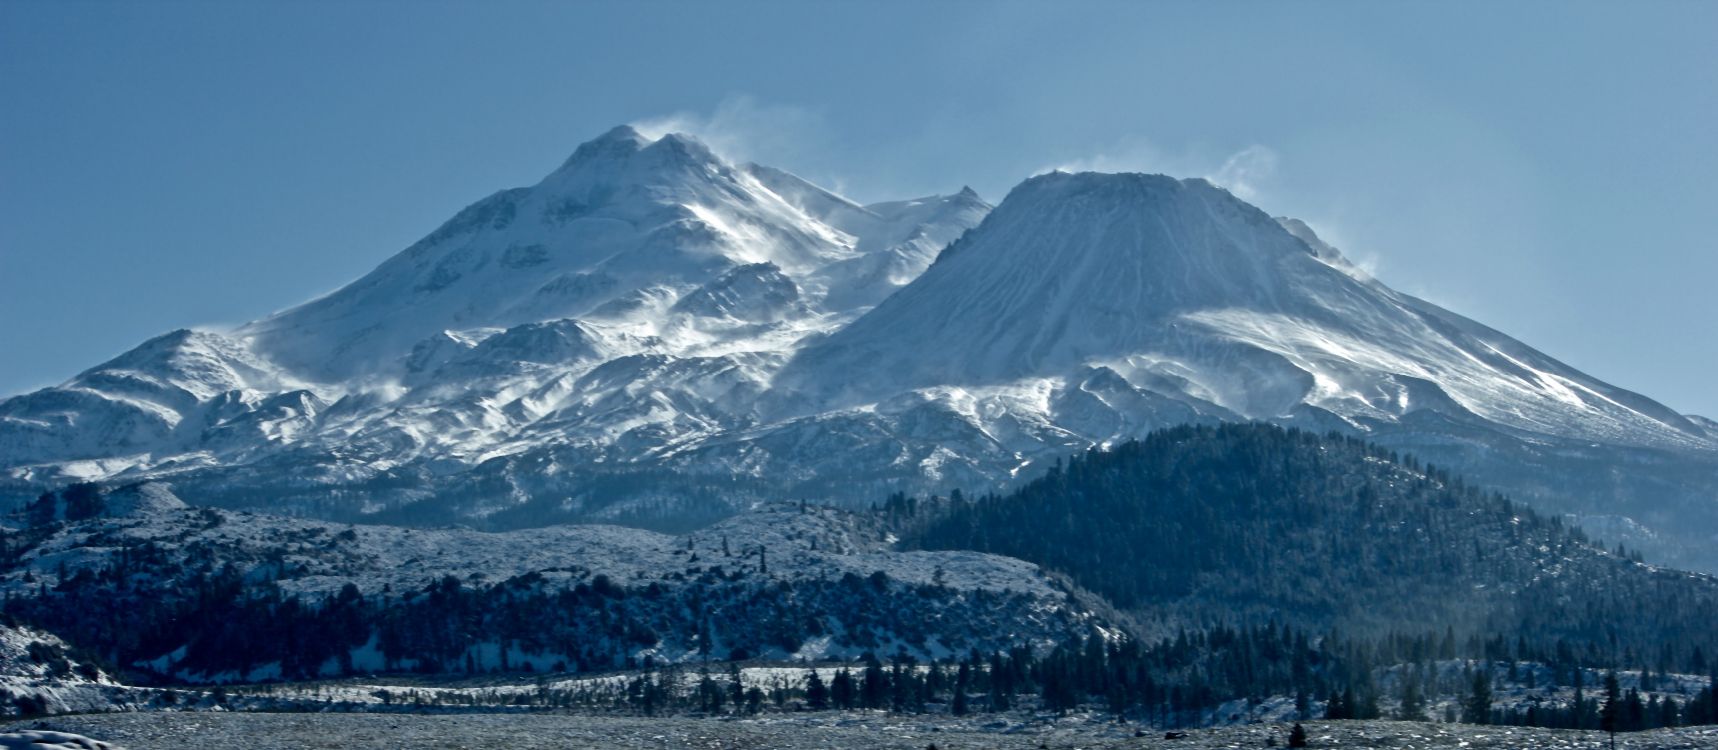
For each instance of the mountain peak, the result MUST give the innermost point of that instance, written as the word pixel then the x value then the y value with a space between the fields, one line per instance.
pixel 1134 186
pixel 624 150
pixel 620 141
pixel 624 156
pixel 622 134
pixel 625 215
pixel 683 144
pixel 1148 215
pixel 1072 269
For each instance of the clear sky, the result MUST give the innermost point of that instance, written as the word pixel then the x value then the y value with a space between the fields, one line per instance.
pixel 1548 168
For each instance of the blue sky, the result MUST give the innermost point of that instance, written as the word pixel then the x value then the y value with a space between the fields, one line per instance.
pixel 1547 168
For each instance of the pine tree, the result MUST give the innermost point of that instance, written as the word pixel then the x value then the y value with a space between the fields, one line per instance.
pixel 816 694
pixel 874 691
pixel 961 680
pixel 1368 705
pixel 1609 712
pixel 843 691
pixel 43 510
pixel 1339 705
pixel 1667 713
pixel 1712 698
pixel 1478 707
pixel 706 686
pixel 900 687
pixel 83 501
pixel 1413 705
pixel 1001 684
pixel 736 685
pixel 1633 718
pixel 1580 701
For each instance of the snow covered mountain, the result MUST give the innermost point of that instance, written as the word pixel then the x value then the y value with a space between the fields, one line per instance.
pixel 1088 307
pixel 1178 285
pixel 653 335
pixel 638 297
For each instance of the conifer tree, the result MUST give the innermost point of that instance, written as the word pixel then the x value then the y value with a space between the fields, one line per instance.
pixel 958 705
pixel 1634 714
pixel 1580 701
pixel 1478 707
pixel 1610 712
pixel 1413 705
pixel 43 510
pixel 816 693
pixel 736 685
pixel 843 691
pixel 1339 707
pixel 875 689
pixel 83 501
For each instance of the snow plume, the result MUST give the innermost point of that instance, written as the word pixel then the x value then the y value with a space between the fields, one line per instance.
pixel 1249 174
pixel 1245 172
pixel 742 129
pixel 1362 264
pixel 1129 155
pixel 1361 257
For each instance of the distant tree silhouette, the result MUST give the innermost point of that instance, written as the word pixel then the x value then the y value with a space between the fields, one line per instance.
pixel 1478 707
pixel 816 694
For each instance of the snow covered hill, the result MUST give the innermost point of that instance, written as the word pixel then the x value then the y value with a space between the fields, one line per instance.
pixel 199 594
pixel 39 676
pixel 652 335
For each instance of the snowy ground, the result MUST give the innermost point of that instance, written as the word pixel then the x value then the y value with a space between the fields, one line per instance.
pixel 825 730
pixel 514 692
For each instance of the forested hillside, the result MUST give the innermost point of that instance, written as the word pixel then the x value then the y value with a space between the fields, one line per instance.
pixel 1254 523
pixel 202 595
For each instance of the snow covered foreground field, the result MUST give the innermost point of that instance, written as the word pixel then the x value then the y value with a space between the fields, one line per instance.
pixel 149 731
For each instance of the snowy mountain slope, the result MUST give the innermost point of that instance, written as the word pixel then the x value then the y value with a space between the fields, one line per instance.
pixel 175 393
pixel 897 240
pixel 638 296
pixel 623 218
pixel 1094 306
pixel 653 335
pixel 645 236
pixel 1163 279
